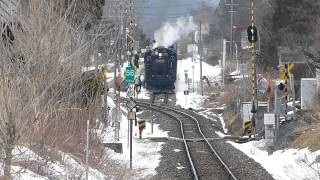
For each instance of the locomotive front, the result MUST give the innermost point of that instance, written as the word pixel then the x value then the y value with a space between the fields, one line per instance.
pixel 160 68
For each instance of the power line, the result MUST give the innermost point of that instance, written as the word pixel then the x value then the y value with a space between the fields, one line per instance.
pixel 172 15
pixel 212 2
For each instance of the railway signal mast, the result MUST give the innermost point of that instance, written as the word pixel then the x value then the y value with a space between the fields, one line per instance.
pixel 252 38
pixel 131 113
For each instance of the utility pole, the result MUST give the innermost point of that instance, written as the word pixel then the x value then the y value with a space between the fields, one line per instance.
pixel 224 56
pixel 232 11
pixel 87 150
pixel 292 85
pixel 192 78
pixel 200 49
pixel 132 44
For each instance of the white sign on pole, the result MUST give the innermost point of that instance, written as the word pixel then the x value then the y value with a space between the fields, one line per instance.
pixel 246 112
pixel 131 115
pixel 269 124
pixel 269 135
pixel 269 119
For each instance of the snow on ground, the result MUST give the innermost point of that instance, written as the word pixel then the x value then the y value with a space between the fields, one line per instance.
pixel 177 150
pixel 19 173
pixel 220 134
pixel 179 166
pixel 289 164
pixel 223 123
pixel 146 153
pixel 68 167
pixel 207 113
pixel 194 99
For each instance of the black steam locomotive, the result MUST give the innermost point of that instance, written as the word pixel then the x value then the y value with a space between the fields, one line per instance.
pixel 161 68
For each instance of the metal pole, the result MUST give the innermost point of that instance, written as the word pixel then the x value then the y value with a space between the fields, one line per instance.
pixel 186 99
pixel 116 120
pixel 253 68
pixel 200 39
pixel 152 125
pixel 224 58
pixel 87 150
pixel 131 124
pixel 236 46
pixel 132 63
pixel 286 92
pixel 293 94
pixel 231 29
pixel 128 140
pixel 115 74
pixel 193 78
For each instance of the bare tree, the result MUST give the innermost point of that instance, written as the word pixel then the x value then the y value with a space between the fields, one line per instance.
pixel 44 96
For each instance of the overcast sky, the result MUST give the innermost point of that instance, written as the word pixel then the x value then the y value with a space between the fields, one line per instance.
pixel 155 12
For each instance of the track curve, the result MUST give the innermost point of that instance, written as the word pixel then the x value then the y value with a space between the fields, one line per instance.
pixel 204 160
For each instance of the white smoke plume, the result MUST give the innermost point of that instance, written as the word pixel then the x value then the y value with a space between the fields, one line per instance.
pixel 169 33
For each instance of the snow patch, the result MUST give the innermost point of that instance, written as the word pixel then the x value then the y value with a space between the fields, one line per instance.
pixel 146 156
pixel 223 123
pixel 289 164
pixel 180 166
pixel 177 150
pixel 220 134
pixel 194 100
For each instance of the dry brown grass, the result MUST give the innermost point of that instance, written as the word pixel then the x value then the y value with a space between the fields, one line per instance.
pixel 227 96
pixel 308 137
pixel 37 75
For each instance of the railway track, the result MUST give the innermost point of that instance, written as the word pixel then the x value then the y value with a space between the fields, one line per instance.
pixel 204 160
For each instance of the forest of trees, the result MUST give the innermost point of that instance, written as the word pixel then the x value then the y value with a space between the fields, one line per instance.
pixel 290 23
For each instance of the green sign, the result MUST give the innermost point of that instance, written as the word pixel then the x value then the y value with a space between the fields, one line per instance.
pixel 130 74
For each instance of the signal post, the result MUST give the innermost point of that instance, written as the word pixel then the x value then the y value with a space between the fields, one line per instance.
pixel 130 78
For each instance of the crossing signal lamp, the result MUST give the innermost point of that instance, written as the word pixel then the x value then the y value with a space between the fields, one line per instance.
pixel 281 86
pixel 252 33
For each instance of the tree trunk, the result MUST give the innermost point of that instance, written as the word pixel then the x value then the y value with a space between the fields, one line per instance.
pixel 11 137
pixel 8 160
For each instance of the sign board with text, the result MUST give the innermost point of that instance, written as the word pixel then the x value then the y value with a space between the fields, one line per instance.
pixel 130 75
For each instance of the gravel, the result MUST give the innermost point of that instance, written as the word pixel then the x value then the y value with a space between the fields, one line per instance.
pixel 174 163
pixel 241 165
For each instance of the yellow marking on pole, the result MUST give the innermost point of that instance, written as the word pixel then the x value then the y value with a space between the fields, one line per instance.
pixel 253 61
pixel 286 91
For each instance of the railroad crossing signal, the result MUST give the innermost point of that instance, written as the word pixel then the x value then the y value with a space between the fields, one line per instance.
pixel 131 104
pixel 142 126
pixel 252 33
pixel 130 74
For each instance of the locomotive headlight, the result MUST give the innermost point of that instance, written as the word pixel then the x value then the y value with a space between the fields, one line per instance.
pixel 160 54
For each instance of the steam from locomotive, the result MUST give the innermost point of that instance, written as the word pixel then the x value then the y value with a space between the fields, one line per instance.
pixel 170 33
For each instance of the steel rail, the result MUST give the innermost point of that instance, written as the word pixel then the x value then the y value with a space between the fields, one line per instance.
pixel 194 171
pixel 158 108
